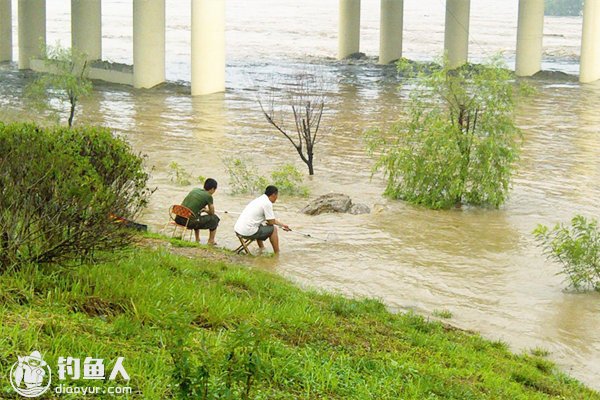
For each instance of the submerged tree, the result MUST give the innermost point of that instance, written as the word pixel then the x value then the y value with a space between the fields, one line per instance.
pixel 66 79
pixel 457 142
pixel 304 106
pixel 576 247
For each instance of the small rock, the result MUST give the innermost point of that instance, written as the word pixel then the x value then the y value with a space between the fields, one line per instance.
pixel 357 56
pixel 359 209
pixel 558 75
pixel 379 208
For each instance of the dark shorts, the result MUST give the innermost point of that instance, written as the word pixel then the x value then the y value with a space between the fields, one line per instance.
pixel 202 222
pixel 264 232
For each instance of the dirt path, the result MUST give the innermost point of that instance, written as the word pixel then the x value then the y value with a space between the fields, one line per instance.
pixel 194 251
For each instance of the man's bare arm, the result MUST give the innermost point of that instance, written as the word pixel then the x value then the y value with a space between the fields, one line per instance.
pixel 209 209
pixel 278 223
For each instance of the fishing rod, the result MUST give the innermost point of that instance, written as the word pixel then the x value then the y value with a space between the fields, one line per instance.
pixel 308 235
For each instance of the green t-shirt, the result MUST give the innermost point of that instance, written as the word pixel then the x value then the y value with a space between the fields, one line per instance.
pixel 197 199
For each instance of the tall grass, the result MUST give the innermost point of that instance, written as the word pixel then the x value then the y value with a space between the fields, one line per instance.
pixel 200 329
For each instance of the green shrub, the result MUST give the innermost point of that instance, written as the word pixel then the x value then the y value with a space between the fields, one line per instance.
pixel 218 369
pixel 289 181
pixel 181 177
pixel 244 179
pixel 456 143
pixel 62 190
pixel 576 247
pixel 446 314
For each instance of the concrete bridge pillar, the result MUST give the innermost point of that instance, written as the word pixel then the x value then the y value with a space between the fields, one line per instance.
pixel 148 43
pixel 5 30
pixel 589 64
pixel 456 38
pixel 86 27
pixel 530 31
pixel 349 28
pixel 208 46
pixel 32 30
pixel 390 35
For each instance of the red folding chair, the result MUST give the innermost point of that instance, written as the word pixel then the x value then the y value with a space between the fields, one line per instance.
pixel 175 211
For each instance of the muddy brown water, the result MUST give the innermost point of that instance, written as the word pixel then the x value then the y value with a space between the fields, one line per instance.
pixel 481 265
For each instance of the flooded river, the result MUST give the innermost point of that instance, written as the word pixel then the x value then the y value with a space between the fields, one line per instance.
pixel 481 265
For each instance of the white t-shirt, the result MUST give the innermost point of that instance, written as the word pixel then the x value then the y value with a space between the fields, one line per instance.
pixel 255 214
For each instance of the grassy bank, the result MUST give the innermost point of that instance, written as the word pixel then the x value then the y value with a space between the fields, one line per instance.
pixel 190 327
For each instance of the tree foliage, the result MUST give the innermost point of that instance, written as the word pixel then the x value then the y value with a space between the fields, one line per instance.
pixel 305 104
pixel 63 192
pixel 180 176
pixel 563 7
pixel 289 181
pixel 243 176
pixel 67 79
pixel 456 143
pixel 244 179
pixel 576 247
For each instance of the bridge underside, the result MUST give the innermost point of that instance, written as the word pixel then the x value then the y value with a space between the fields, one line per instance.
pixel 208 38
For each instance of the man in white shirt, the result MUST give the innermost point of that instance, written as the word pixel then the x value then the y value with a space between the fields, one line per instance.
pixel 251 223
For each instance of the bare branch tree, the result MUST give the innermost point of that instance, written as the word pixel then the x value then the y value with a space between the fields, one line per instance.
pixel 306 101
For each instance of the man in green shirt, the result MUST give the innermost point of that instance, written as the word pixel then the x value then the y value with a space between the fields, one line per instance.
pixel 201 201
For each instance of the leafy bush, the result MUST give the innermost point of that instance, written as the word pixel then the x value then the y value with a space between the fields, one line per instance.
pixel 226 369
pixel 563 7
pixel 181 177
pixel 576 247
pixel 289 181
pixel 63 191
pixel 244 179
pixel 456 143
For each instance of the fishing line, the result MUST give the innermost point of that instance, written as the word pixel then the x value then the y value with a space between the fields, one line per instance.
pixel 330 236
pixel 231 212
pixel 308 235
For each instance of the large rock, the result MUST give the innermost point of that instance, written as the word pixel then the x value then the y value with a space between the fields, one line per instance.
pixel 334 203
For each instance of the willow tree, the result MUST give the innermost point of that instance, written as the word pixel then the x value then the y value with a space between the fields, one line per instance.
pixel 66 79
pixel 297 116
pixel 577 247
pixel 457 142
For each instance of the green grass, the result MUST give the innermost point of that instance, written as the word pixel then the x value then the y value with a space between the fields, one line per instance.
pixel 188 326
pixel 445 314
pixel 539 352
pixel 175 241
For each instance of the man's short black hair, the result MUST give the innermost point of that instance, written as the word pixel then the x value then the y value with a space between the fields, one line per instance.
pixel 270 190
pixel 210 183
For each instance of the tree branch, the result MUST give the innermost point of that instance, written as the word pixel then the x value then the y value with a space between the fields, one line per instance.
pixel 272 122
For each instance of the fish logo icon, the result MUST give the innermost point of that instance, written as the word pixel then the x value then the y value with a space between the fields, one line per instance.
pixel 30 376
